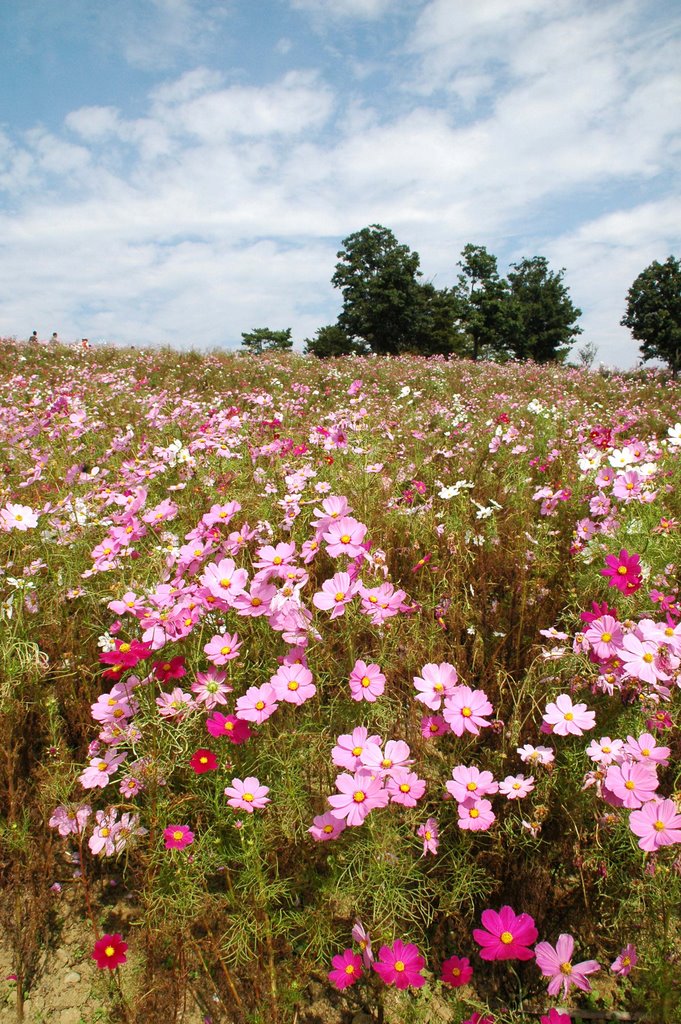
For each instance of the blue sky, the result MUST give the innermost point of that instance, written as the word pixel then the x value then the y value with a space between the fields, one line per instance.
pixel 180 171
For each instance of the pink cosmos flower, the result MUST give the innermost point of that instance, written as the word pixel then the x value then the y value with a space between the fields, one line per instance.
pixel 641 659
pixel 350 746
pixel 625 961
pixel 535 755
pixel 604 636
pixel 605 750
pixel 326 827
pixel 623 571
pixel 381 603
pixel 432 726
pixel 632 783
pixel 257 602
pixel 177 837
pixel 405 787
pixel 293 684
pixel 347 969
pixel 658 823
pixel 357 795
pixel 556 964
pixel 476 815
pixel 247 794
pixel 257 704
pixel 228 726
pixel 211 688
pixel 335 594
pixel 345 537
pixel 400 965
pixel 465 709
pixel 429 833
pixel 99 772
pixel 367 682
pixel 456 971
pixel 435 683
pixel 646 750
pixel 224 580
pixel 515 787
pixel 566 718
pixel 505 935
pixel 222 647
pixel 361 936
pixel 18 517
pixel 175 704
pixel 382 762
pixel 70 822
pixel 470 783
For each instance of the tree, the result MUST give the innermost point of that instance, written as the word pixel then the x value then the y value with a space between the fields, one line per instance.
pixel 485 312
pixel 378 279
pixel 545 316
pixel 654 312
pixel 263 339
pixel 331 341
pixel 436 331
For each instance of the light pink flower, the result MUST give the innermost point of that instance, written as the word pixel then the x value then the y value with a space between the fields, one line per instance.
pixel 641 659
pixel 625 961
pixel 632 783
pixel 658 823
pixel 469 783
pixel 605 750
pixel 345 537
pixel 382 762
pixel 349 748
pixel 222 647
pixel 326 827
pixel 405 787
pixel 435 683
pixel 257 704
pixel 18 517
pixel 568 719
pixel 476 815
pixel 247 794
pixel 429 833
pixel 293 684
pixel 605 635
pixel 335 594
pixel 646 750
pixel 557 965
pixel 367 682
pixel 357 795
pixel 515 787
pixel 465 709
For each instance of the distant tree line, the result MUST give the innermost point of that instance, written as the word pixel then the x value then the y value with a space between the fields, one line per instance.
pixel 388 310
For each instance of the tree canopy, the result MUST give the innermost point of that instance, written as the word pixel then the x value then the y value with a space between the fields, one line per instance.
pixel 654 312
pixel 264 339
pixel 546 319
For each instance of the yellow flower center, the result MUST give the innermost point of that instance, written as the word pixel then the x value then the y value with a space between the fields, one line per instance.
pixel 622 571
pixel 569 716
pixel 566 969
pixel 629 784
pixel 203 760
pixel 606 750
pixel 645 751
pixel 386 763
pixel 109 951
pixel 102 766
pixel 328 829
pixel 606 637
pixel 256 602
pixel 405 787
pixel 659 826
pixel 466 712
pixel 648 657
pixel 177 835
pixel 259 705
pixel 248 797
pixel 339 596
pixel 345 539
pixel 475 813
pixel 293 685
pixel 365 681
pixel 356 751
pixel 428 835
pixel 350 969
pixel 225 650
pixel 124 648
pixel 358 796
pixel 471 786
pixel 277 560
pixel 399 966
pixel 455 972
pixel 506 938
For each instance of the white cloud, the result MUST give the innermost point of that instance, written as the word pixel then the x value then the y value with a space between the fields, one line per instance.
pixel 336 9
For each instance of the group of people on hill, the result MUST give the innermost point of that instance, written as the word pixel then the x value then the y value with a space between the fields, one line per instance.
pixel 84 343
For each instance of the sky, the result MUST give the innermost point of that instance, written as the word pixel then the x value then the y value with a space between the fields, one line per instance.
pixel 180 171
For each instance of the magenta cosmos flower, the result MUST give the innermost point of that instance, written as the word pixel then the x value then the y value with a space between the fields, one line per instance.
pixel 657 824
pixel 247 794
pixel 456 971
pixel 556 1017
pixel 357 795
pixel 505 935
pixel 229 726
pixel 400 965
pixel 177 837
pixel 557 965
pixel 567 718
pixel 623 571
pixel 347 969
pixel 109 951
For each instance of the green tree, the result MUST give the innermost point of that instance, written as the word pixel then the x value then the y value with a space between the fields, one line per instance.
pixel 263 339
pixel 331 341
pixel 436 330
pixel 486 314
pixel 546 320
pixel 654 312
pixel 378 280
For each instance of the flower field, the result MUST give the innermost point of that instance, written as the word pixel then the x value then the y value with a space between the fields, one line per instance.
pixel 360 674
